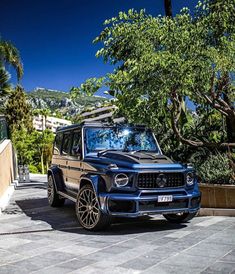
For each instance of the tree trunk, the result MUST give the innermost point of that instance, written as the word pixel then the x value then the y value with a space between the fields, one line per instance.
pixel 47 165
pixel 45 119
pixel 230 119
pixel 42 163
pixel 230 128
pixel 168 8
pixel 230 123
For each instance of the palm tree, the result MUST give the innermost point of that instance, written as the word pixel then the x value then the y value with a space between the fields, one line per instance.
pixel 8 55
pixel 45 112
pixel 5 87
pixel 168 8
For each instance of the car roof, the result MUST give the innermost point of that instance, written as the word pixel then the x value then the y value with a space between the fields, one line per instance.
pixel 98 124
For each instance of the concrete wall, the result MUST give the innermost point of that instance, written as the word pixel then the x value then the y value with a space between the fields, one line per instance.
pixel 6 172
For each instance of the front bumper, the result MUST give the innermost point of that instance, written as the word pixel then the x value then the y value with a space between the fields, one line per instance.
pixel 146 203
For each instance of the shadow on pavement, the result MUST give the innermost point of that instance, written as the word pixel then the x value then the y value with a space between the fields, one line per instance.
pixel 31 185
pixel 64 219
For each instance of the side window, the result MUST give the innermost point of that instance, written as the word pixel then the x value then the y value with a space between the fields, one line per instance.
pixel 58 143
pixel 76 144
pixel 66 144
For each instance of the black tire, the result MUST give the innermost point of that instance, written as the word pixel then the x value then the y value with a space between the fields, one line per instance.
pixel 179 217
pixel 88 210
pixel 54 199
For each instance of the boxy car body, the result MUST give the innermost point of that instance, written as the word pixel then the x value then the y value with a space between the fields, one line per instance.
pixel 118 170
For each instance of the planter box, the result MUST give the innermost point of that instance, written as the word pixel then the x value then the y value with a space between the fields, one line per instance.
pixel 217 196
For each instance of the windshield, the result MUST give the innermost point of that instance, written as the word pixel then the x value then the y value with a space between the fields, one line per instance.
pixel 119 138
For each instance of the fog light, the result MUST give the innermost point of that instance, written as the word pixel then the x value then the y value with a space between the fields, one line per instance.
pixel 195 202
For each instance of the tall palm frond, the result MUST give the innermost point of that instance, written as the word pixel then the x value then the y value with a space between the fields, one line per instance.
pixel 10 55
pixel 5 87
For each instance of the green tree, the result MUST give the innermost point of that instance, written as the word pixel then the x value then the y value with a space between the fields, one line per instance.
pixel 57 114
pixel 48 147
pixel 45 113
pixel 23 143
pixel 45 145
pixel 8 55
pixel 89 87
pixel 17 111
pixel 33 148
pixel 161 62
pixel 217 13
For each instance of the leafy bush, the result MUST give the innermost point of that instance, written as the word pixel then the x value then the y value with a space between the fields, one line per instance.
pixel 33 169
pixel 33 148
pixel 216 170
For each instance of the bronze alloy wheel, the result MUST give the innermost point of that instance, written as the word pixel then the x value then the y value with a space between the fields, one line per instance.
pixel 50 190
pixel 88 212
pixel 54 199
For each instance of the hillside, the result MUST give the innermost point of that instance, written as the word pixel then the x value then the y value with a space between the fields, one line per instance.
pixel 60 102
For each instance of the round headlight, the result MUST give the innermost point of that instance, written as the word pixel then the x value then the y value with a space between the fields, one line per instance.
pixel 121 179
pixel 190 178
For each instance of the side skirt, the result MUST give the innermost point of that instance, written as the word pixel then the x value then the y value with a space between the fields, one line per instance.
pixel 67 195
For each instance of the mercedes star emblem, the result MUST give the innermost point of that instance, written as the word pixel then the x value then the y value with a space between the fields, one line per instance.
pixel 161 180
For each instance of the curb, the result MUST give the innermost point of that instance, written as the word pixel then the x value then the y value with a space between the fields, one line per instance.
pixel 217 212
pixel 7 195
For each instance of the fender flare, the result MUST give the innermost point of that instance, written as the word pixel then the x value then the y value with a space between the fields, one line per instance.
pixel 57 177
pixel 92 179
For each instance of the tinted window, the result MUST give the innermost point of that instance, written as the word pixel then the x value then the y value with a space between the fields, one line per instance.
pixel 76 145
pixel 58 143
pixel 66 144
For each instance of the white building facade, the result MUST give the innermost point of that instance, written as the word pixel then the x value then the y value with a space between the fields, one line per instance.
pixel 41 123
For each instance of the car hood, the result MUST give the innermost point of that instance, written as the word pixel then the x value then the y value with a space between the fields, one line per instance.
pixel 135 160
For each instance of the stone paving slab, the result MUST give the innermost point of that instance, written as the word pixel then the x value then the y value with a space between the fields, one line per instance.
pixel 35 238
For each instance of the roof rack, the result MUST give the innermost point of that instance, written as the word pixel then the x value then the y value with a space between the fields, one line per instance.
pixel 98 123
pixel 68 127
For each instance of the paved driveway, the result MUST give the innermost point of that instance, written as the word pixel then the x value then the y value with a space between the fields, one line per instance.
pixel 40 239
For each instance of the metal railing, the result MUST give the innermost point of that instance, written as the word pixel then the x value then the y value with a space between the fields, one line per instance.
pixel 3 129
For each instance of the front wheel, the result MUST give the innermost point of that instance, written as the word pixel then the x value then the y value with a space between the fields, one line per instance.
pixel 179 217
pixel 88 211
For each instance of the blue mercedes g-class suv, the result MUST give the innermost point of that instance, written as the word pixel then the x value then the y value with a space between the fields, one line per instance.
pixel 118 170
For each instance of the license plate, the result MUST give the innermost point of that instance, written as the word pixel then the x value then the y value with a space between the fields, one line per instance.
pixel 164 198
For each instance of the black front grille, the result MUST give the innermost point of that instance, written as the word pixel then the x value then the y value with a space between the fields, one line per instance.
pixel 160 180
pixel 151 205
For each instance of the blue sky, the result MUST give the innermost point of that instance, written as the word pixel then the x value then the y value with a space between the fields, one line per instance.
pixel 54 37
